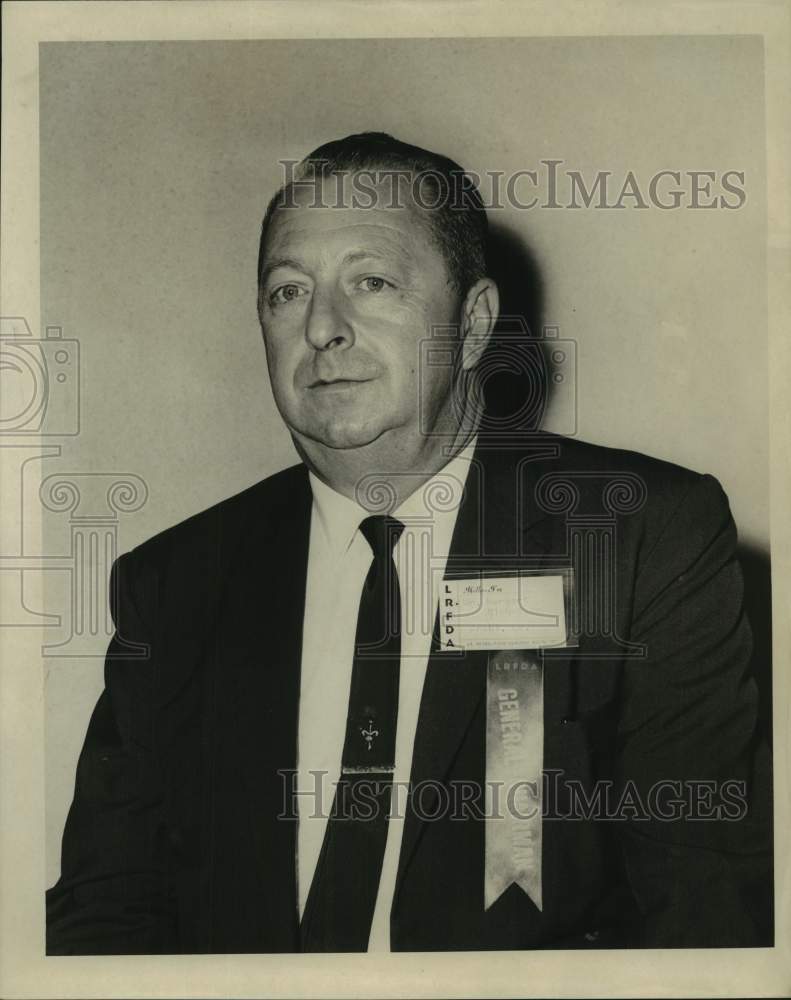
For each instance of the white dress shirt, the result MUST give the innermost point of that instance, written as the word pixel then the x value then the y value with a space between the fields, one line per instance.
pixel 338 561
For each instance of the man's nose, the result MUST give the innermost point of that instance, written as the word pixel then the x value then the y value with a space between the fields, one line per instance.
pixel 327 327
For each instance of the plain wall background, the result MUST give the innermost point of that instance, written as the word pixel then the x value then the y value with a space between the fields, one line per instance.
pixel 157 160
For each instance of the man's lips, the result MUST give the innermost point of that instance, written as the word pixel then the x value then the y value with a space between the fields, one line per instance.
pixel 339 383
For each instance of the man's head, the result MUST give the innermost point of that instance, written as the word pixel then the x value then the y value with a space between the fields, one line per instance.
pixel 371 246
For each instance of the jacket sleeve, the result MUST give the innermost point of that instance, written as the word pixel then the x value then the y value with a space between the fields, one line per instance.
pixel 698 858
pixel 113 896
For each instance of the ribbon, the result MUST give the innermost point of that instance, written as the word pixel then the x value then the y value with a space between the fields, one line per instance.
pixel 514 762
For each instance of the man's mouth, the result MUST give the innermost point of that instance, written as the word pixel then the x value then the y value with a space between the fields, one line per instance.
pixel 338 383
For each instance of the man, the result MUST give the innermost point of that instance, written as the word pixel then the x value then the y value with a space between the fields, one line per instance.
pixel 355 628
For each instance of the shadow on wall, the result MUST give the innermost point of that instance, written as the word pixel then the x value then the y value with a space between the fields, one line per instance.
pixel 516 388
pixel 517 391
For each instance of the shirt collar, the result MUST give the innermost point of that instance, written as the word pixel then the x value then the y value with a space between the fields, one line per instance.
pixel 435 502
pixel 338 516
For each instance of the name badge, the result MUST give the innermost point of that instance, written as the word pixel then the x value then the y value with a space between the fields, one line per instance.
pixel 526 611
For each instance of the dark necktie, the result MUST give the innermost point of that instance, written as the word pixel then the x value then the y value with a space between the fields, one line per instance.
pixel 340 905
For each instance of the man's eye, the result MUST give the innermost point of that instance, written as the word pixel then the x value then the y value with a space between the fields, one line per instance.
pixel 285 293
pixel 373 284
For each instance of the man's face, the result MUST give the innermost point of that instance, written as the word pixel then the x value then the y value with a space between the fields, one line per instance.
pixel 347 297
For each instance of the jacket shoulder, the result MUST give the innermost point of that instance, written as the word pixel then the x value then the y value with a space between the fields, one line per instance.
pixel 659 481
pixel 221 523
pixel 598 480
pixel 583 456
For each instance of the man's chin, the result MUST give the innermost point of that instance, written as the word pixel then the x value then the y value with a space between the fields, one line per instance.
pixel 342 437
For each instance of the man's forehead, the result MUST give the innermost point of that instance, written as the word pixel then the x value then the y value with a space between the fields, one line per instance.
pixel 390 227
pixel 291 229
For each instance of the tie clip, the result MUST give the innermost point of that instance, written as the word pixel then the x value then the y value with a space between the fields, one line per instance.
pixel 368 769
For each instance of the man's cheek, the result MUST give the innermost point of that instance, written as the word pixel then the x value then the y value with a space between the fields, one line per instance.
pixel 283 386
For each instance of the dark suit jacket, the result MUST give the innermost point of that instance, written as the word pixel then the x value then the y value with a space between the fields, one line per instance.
pixel 173 842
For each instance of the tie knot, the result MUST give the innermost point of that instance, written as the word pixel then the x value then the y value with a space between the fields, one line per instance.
pixel 382 533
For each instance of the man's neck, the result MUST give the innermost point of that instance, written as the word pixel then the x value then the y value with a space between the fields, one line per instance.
pixel 375 478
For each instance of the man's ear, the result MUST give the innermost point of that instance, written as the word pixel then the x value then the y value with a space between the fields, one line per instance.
pixel 479 313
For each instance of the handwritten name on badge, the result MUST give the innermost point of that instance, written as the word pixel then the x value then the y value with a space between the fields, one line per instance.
pixel 507 612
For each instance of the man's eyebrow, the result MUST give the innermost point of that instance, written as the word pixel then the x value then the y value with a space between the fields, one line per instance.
pixel 355 256
pixel 273 265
